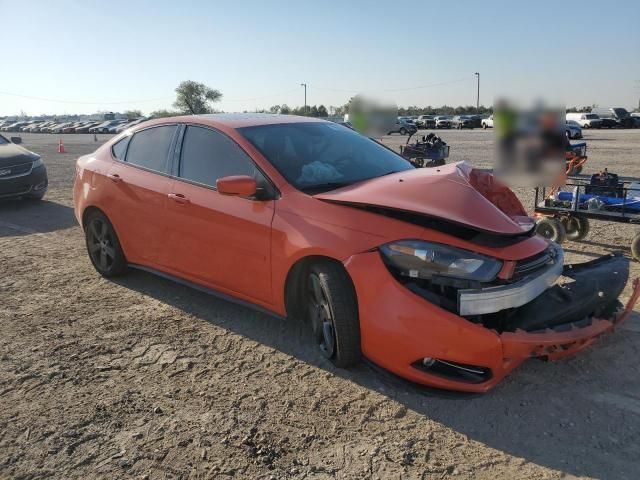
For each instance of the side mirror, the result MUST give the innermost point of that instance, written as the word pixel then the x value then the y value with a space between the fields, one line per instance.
pixel 16 140
pixel 240 185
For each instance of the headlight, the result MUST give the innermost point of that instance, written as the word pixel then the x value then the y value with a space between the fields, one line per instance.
pixel 419 259
pixel 37 162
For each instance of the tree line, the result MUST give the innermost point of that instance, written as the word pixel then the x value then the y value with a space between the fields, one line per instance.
pixel 194 98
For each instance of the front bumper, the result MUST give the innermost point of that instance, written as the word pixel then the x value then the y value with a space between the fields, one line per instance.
pixel 32 183
pixel 495 299
pixel 399 328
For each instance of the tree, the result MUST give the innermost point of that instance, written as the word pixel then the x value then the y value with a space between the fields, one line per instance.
pixel 322 111
pixel 133 114
pixel 194 98
pixel 164 113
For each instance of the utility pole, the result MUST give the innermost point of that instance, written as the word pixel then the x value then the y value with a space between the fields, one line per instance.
pixel 305 96
pixel 478 95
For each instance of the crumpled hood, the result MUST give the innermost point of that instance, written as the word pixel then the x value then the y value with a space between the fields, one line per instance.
pixel 455 192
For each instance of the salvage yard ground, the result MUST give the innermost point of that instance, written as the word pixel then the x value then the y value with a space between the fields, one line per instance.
pixel 144 378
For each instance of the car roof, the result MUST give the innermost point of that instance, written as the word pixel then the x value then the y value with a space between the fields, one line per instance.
pixel 239 120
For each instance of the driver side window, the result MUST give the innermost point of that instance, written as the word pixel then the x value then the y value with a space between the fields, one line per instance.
pixel 208 155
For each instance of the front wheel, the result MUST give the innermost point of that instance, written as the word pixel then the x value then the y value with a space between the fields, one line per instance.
pixel 103 246
pixel 403 131
pixel 333 312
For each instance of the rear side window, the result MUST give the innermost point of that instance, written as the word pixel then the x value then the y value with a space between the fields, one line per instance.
pixel 150 148
pixel 119 149
pixel 208 155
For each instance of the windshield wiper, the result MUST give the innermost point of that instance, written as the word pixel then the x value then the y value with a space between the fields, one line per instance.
pixel 324 187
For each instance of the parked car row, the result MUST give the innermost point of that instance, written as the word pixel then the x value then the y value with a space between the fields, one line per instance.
pixel 573 129
pixel 41 126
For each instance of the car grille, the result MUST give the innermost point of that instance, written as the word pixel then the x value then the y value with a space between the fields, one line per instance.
pixel 532 264
pixel 15 170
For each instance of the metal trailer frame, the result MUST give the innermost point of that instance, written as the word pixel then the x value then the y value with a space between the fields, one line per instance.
pixel 578 185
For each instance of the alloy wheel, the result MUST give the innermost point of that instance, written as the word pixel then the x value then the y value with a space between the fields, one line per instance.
pixel 101 244
pixel 321 317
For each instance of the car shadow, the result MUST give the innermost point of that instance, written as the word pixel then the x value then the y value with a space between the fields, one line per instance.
pixel 26 217
pixel 508 418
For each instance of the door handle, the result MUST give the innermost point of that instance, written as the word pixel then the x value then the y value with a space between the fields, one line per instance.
pixel 114 177
pixel 178 198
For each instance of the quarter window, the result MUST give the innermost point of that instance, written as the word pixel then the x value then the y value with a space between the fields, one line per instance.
pixel 149 148
pixel 208 155
pixel 120 148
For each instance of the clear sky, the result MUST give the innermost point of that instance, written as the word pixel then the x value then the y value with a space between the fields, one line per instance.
pixel 117 55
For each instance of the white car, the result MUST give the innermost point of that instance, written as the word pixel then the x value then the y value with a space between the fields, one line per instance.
pixel 573 130
pixel 585 120
pixel 487 122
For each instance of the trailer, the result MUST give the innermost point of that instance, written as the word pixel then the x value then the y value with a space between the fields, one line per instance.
pixel 564 213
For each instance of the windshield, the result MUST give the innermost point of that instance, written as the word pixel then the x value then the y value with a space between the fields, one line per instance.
pixel 316 157
pixel 591 116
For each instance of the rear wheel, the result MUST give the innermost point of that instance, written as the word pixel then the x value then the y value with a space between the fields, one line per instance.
pixel 333 312
pixel 577 228
pixel 103 246
pixel 403 131
pixel 551 228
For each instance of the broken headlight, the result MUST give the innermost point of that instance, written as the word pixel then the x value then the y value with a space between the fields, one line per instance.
pixel 420 259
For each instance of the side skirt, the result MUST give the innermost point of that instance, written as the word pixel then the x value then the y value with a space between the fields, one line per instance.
pixel 210 291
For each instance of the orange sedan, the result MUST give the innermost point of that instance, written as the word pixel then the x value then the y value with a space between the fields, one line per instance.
pixel 434 274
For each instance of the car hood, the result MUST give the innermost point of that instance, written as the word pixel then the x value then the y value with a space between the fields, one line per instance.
pixel 10 154
pixel 455 193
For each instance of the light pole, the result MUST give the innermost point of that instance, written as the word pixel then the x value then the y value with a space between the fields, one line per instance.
pixel 305 96
pixel 478 95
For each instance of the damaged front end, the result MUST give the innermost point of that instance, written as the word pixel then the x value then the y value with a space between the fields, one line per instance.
pixel 532 295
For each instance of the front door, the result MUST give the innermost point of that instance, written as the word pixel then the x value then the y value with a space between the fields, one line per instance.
pixel 221 241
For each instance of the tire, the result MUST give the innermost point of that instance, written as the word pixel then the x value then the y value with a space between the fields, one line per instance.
pixel 403 131
pixel 552 229
pixel 333 312
pixel 576 228
pixel 568 133
pixel 103 246
pixel 635 247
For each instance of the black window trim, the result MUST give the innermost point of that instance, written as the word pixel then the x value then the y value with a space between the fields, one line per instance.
pixel 170 152
pixel 177 159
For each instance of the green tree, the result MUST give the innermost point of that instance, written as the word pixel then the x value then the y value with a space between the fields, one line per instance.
pixel 322 111
pixel 164 113
pixel 194 98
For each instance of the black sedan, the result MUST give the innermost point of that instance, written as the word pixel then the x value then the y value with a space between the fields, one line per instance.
pixel 22 173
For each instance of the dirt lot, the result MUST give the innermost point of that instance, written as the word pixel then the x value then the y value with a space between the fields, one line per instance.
pixel 144 378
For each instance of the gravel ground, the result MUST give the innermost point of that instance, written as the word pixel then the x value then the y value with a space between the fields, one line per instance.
pixel 144 378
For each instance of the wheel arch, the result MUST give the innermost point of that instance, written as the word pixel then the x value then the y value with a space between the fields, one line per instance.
pixel 87 211
pixel 294 288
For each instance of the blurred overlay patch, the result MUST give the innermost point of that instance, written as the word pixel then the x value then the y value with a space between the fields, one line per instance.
pixel 372 117
pixel 530 144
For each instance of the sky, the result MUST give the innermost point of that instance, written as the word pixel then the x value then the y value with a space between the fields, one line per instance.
pixel 83 56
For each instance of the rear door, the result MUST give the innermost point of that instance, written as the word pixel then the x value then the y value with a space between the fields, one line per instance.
pixel 218 240
pixel 140 184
